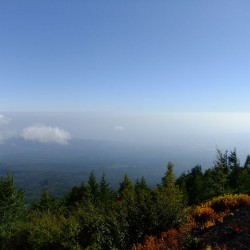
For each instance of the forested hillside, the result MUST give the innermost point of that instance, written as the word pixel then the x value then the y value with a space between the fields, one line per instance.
pixel 92 216
pixel 222 223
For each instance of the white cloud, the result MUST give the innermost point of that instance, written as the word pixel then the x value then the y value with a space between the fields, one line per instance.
pixel 119 128
pixel 46 134
pixel 4 120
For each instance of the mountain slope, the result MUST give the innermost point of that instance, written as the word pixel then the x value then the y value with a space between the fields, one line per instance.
pixel 222 223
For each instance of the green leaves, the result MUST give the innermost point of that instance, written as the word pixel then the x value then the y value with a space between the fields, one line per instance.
pixel 12 211
pixel 48 230
pixel 168 179
pixel 227 176
pixel 47 203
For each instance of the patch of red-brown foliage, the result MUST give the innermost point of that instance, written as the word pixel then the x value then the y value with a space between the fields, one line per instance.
pixel 221 223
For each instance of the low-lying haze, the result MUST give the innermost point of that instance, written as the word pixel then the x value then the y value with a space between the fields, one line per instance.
pixel 198 130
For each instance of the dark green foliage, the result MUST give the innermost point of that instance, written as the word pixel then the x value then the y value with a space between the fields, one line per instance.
pixel 127 190
pixel 106 194
pixel 221 173
pixel 235 170
pixel 244 181
pixel 209 185
pixel 12 213
pixel 168 179
pixel 247 163
pixel 168 202
pixel 92 189
pixel 227 176
pixel 92 216
pixel 47 203
pixel 76 195
pixel 143 211
pixel 11 199
pixel 125 207
pixel 192 185
pixel 195 184
pixel 48 230
pixel 141 186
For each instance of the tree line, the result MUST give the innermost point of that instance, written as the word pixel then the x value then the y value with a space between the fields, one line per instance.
pixel 226 176
pixel 93 216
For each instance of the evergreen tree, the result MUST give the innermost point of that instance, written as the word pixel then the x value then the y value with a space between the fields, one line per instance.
pixel 182 184
pixel 105 193
pixel 168 179
pixel 11 200
pixel 209 184
pixel 76 195
pixel 221 172
pixel 244 177
pixel 126 210
pixel 127 189
pixel 47 202
pixel 247 163
pixel 12 212
pixel 195 185
pixel 93 189
pixel 168 203
pixel 142 214
pixel 141 186
pixel 235 170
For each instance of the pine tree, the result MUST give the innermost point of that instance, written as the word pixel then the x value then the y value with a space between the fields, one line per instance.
pixel 105 193
pixel 76 195
pixel 183 186
pixel 195 185
pixel 247 163
pixel 168 202
pixel 142 213
pixel 210 187
pixel 235 170
pixel 141 186
pixel 11 200
pixel 47 202
pixel 127 189
pixel 12 212
pixel 168 179
pixel 93 189
pixel 221 172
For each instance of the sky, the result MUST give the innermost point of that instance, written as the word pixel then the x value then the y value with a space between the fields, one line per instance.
pixel 132 69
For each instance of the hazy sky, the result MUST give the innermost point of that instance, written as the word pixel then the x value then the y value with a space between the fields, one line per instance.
pixel 134 70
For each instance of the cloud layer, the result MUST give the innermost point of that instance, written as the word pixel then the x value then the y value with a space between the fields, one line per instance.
pixel 46 134
pixel 4 120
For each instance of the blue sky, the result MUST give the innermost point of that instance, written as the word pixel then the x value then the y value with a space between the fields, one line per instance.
pixel 125 56
pixel 137 71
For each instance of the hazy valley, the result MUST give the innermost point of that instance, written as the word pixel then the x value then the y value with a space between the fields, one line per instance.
pixel 58 168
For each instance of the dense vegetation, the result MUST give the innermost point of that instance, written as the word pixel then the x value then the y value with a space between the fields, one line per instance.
pixel 226 176
pixel 92 216
pixel 221 223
